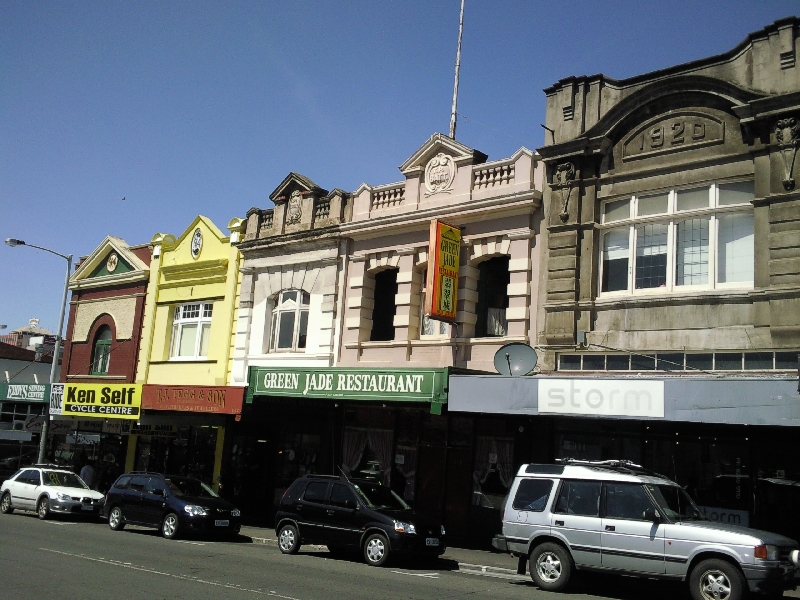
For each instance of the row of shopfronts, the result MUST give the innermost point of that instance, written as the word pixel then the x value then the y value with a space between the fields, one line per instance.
pixel 648 252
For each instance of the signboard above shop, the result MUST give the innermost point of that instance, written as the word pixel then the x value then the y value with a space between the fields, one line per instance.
pixel 24 392
pixel 444 254
pixel 194 398
pixel 97 400
pixel 384 385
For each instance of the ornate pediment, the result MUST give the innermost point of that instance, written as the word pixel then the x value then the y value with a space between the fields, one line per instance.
pixel 111 263
pixel 295 182
pixel 438 154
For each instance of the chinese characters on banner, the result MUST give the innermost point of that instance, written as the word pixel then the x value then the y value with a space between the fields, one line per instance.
pixel 444 252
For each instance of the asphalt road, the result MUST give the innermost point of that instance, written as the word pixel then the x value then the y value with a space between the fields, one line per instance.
pixel 78 559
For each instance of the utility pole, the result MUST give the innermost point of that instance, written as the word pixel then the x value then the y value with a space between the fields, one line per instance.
pixel 458 68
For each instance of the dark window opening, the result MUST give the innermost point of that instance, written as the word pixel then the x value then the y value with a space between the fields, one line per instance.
pixel 643 362
pixel 728 361
pixel 757 361
pixel 570 362
pixel 594 362
pixel 385 306
pixel 619 362
pixel 670 362
pixel 787 360
pixel 700 362
pixel 493 280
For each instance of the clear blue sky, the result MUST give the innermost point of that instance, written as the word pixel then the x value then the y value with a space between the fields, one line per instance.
pixel 204 107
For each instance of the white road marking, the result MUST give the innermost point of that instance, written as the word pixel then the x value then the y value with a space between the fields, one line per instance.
pixel 116 563
pixel 60 523
pixel 428 575
pixel 492 574
pixel 193 543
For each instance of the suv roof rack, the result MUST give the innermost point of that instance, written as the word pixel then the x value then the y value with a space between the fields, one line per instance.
pixel 142 473
pixel 621 466
pixel 49 466
pixel 318 476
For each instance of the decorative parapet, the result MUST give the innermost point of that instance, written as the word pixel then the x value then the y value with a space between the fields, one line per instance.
pixel 322 209
pixel 496 174
pixel 388 196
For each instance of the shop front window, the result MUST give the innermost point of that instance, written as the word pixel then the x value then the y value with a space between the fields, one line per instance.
pixel 290 321
pixel 493 471
pixel 191 329
pixel 101 354
pixel 367 453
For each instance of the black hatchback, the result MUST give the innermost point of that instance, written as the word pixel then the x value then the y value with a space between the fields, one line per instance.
pixel 172 503
pixel 353 514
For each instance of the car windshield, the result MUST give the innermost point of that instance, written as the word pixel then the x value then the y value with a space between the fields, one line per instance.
pixel 676 503
pixel 190 487
pixel 378 496
pixel 63 479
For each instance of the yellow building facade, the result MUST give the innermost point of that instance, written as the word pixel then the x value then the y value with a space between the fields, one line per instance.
pixel 185 355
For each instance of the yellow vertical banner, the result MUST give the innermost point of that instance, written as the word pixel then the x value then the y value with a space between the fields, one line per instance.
pixel 444 255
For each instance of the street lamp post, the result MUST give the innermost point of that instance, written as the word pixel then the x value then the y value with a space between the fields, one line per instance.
pixel 54 366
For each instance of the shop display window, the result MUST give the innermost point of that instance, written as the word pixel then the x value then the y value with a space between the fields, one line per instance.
pixel 493 471
pixel 714 471
pixel 296 455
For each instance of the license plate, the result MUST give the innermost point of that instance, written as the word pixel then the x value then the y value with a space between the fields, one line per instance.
pixel 431 541
pixel 84 507
pixel 222 523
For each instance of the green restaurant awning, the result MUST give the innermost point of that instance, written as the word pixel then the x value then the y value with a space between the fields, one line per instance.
pixel 381 385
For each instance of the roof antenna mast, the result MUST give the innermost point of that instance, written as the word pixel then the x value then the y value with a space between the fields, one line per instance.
pixel 458 68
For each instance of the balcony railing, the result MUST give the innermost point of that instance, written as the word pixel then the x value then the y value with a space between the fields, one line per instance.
pixel 492 175
pixel 388 196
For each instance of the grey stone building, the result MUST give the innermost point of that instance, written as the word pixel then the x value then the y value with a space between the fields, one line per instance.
pixel 673 216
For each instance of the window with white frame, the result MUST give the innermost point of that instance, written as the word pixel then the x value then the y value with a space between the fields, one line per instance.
pixel 678 240
pixel 289 321
pixel 191 328
pixel 430 328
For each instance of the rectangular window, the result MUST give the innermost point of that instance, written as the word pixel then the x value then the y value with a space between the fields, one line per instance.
pixel 699 362
pixel 758 361
pixel 579 498
pixel 191 329
pixel 670 362
pixel 570 362
pixel 615 260
pixel 736 249
pixel 651 256
pixel 691 259
pixel 701 237
pixel 627 501
pixel 786 360
pixel 618 362
pixel 532 494
pixel 643 362
pixel 594 362
pixel 728 361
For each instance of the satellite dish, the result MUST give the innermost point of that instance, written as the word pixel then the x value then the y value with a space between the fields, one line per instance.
pixel 515 359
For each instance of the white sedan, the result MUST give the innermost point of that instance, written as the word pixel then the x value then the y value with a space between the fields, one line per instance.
pixel 48 491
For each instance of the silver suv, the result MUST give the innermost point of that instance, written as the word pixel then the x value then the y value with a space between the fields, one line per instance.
pixel 614 516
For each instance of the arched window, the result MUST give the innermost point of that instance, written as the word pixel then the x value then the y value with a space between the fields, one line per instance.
pixel 101 354
pixel 289 321
pixel 493 280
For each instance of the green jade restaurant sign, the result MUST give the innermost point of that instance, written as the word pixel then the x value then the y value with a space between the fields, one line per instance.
pixel 382 385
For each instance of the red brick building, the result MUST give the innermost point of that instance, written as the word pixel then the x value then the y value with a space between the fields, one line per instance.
pixel 105 315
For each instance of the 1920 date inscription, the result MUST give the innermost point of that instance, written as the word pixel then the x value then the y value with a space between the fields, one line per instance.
pixel 673 133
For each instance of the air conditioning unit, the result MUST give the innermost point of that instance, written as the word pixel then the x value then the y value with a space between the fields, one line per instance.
pixel 19 425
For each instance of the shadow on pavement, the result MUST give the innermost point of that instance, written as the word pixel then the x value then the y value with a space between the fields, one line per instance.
pixel 619 587
pixel 405 562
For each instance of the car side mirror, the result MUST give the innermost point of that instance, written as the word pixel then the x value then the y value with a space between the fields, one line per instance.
pixel 652 515
pixel 162 493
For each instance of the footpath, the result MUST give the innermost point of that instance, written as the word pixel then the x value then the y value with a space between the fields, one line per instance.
pixel 492 564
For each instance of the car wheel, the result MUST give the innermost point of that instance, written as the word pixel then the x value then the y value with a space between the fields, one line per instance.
pixel 376 550
pixel 716 579
pixel 169 526
pixel 5 504
pixel 551 566
pixel 115 519
pixel 288 539
pixel 43 508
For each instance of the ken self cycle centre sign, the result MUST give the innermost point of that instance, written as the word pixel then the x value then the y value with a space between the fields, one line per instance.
pixel 105 401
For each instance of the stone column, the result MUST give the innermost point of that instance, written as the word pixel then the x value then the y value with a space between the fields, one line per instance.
pixel 360 300
pixel 406 301
pixel 519 267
